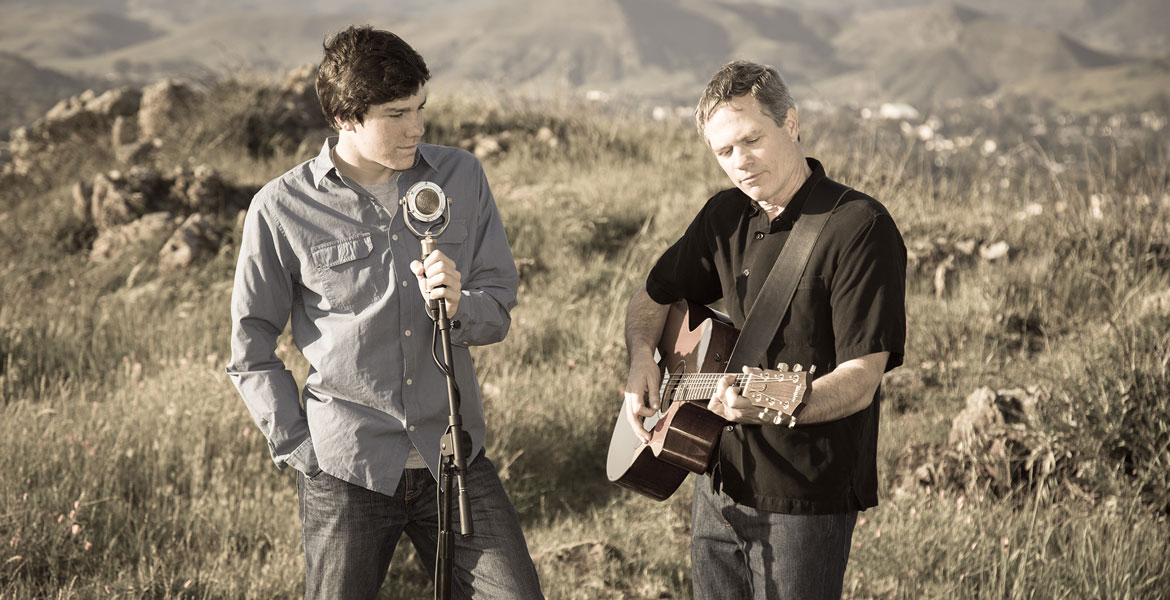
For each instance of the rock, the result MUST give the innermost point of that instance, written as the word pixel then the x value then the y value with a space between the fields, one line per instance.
pixel 193 240
pixel 199 190
pixel 124 131
pixel 163 103
pixel 112 242
pixel 82 195
pixel 119 199
pixel 486 146
pixel 138 154
pixel 994 252
pixel 546 136
pixel 120 102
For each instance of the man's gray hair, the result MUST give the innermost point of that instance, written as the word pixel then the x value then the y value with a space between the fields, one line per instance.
pixel 739 78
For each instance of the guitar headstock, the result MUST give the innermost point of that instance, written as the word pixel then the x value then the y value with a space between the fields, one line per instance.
pixel 780 391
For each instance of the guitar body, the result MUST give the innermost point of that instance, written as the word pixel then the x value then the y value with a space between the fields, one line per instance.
pixel 684 434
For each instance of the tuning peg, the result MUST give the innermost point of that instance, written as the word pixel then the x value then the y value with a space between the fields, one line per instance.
pixel 791 422
pixel 812 369
pixel 782 366
pixel 777 421
pixel 796 368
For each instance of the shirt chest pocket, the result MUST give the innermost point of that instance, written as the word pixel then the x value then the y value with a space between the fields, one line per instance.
pixel 809 321
pixel 348 274
pixel 451 243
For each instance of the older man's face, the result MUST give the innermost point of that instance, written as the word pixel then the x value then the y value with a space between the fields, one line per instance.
pixel 760 157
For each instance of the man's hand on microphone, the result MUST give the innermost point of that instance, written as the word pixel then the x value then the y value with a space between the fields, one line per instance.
pixel 438 278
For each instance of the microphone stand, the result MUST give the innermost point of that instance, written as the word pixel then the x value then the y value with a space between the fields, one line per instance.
pixel 454 447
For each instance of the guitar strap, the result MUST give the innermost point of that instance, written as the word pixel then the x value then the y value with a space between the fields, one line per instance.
pixel 766 313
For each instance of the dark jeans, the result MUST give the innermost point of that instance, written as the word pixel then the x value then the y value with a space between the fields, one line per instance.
pixel 350 534
pixel 738 552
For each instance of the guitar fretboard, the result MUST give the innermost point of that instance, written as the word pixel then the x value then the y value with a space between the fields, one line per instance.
pixel 692 387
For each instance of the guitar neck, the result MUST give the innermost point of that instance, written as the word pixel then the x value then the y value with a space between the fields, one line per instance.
pixel 694 387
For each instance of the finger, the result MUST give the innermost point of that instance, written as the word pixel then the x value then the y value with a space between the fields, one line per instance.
pixel 444 280
pixel 437 258
pixel 634 417
pixel 638 406
pixel 717 407
pixel 439 266
pixel 417 268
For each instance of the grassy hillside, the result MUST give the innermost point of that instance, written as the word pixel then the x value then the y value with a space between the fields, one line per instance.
pixel 129 467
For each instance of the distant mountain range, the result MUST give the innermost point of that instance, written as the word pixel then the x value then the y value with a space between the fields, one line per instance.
pixel 860 51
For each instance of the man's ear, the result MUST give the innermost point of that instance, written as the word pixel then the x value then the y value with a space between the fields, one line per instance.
pixel 792 124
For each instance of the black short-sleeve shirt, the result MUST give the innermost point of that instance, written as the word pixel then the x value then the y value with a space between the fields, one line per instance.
pixel 850 302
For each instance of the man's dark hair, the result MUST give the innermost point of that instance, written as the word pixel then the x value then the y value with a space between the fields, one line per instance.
pixel 363 67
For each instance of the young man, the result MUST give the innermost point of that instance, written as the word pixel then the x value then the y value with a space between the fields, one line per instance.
pixel 324 244
pixel 775 517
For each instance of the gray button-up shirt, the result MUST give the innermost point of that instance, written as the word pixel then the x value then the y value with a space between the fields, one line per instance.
pixel 336 261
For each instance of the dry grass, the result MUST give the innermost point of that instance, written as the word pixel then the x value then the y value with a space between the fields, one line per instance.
pixel 129 467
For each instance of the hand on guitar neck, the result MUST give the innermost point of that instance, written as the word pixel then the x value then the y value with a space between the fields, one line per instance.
pixel 729 403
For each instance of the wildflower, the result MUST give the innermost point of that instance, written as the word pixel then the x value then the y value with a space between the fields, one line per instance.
pixel 76 529
pixel 61 518
pixel 861 522
pixel 1005 542
pixel 913 511
pixel 88 545
pixel 187 584
pixel 974 545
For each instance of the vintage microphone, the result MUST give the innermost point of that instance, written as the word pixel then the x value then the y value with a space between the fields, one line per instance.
pixel 426 204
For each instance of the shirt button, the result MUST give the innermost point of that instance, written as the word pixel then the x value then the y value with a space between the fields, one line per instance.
pixel 746 272
pixel 411 427
pixel 759 235
pixel 407 333
pixel 403 284
pixel 394 237
pixel 409 382
pixel 731 428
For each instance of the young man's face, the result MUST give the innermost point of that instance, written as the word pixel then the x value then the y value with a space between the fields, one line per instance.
pixel 760 157
pixel 388 136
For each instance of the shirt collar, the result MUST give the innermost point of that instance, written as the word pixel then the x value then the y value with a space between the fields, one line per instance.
pixel 796 204
pixel 322 165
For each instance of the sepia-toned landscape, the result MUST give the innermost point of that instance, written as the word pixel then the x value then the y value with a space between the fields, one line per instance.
pixel 1024 449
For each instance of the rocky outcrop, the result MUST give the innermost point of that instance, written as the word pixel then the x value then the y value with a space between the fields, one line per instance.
pixel 195 239
pixel 72 122
pixel 993 444
pixel 195 207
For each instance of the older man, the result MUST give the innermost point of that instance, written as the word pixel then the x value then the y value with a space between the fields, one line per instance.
pixel 775 516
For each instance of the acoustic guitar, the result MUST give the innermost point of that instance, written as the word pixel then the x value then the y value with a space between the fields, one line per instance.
pixel 692 352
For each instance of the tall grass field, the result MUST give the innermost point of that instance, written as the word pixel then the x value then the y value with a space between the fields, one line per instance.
pixel 1040 262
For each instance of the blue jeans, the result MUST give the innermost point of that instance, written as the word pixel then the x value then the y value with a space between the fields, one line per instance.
pixel 350 534
pixel 738 552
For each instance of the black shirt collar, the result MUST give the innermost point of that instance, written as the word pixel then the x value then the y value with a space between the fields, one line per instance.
pixel 786 217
